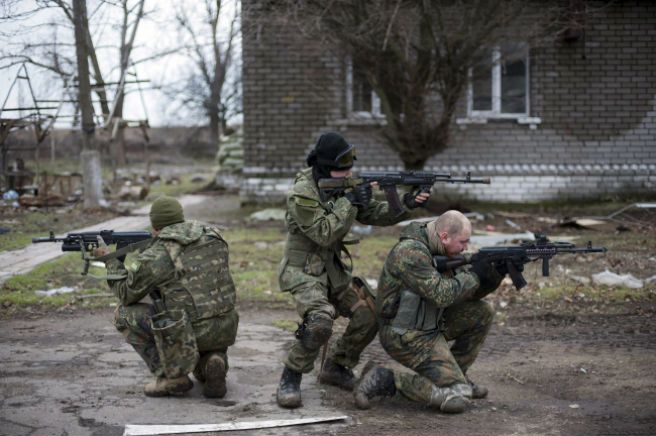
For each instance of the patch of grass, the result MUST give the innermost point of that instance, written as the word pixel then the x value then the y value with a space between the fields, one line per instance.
pixel 64 271
pixel 24 224
pixel 370 254
pixel 285 324
pixel 594 293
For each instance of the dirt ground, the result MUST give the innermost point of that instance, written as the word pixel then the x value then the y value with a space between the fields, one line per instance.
pixel 568 367
pixel 548 374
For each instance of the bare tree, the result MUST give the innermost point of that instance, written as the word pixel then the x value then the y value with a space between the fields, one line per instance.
pixel 417 56
pixel 210 88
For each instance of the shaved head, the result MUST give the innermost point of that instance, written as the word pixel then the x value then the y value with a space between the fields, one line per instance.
pixel 453 229
pixel 452 222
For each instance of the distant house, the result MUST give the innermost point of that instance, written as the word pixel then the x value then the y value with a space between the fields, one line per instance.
pixel 580 122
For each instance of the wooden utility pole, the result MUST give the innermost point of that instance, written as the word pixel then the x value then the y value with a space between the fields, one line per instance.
pixel 90 157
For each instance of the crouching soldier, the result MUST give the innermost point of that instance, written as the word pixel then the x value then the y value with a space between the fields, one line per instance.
pixel 192 321
pixel 420 310
pixel 316 268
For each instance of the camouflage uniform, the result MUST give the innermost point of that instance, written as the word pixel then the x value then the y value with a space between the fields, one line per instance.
pixel 424 348
pixel 315 272
pixel 186 265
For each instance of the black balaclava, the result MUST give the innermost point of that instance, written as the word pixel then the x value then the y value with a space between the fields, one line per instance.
pixel 331 152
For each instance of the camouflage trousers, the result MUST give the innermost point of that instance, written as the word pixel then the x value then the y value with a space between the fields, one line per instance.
pixel 429 355
pixel 213 335
pixel 316 298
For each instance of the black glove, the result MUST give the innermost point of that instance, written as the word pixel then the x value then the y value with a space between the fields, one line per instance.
pixel 409 199
pixel 502 265
pixel 360 196
pixel 488 276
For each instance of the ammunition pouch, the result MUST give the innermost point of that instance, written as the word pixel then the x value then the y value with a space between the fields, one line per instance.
pixel 176 342
pixel 415 313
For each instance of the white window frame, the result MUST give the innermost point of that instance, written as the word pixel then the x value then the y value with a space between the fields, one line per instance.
pixel 496 113
pixel 375 113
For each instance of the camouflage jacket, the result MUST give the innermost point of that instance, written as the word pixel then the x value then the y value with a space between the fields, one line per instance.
pixel 187 264
pixel 316 228
pixel 409 266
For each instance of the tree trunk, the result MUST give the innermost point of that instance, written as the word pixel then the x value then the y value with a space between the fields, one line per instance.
pixel 90 158
pixel 120 155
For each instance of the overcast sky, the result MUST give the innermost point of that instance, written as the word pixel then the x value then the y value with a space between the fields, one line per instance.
pixel 157 32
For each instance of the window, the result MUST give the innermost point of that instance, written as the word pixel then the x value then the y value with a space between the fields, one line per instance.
pixel 361 100
pixel 498 88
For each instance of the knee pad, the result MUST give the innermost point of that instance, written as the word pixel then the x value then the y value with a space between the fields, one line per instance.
pixel 315 331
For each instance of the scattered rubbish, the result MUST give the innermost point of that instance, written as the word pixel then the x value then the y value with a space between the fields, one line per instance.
pixel 641 214
pixel 475 216
pixel 510 376
pixel 362 230
pixel 574 406
pixel 547 220
pixel 137 430
pixel 512 224
pixel 10 195
pixel 56 291
pixel 268 215
pixel 42 200
pixel 131 192
pixel 261 245
pixel 490 228
pixel 650 280
pixel 580 279
pixel 583 370
pixel 582 223
pixel 612 279
pixel 4 230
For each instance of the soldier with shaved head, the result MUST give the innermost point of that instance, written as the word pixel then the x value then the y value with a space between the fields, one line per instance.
pixel 420 310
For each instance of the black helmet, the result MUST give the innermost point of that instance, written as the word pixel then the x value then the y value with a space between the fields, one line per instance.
pixel 332 152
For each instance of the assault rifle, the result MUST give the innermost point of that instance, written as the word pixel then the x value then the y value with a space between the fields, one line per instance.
pixel 85 242
pixel 388 181
pixel 516 256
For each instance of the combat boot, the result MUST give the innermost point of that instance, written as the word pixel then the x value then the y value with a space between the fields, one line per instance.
pixel 450 399
pixel 163 386
pixel 289 389
pixel 337 375
pixel 478 392
pixel 215 377
pixel 375 382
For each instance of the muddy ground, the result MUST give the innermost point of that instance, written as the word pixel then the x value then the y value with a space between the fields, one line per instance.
pixel 569 367
pixel 548 374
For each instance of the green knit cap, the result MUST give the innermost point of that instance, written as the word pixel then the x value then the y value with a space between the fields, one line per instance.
pixel 165 211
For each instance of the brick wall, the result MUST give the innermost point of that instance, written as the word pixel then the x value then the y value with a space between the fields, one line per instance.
pixel 596 99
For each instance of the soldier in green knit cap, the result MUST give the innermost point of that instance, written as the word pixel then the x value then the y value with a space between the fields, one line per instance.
pixel 192 319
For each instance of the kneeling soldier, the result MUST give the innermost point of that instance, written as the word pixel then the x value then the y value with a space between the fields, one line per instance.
pixel 193 321
pixel 316 268
pixel 419 310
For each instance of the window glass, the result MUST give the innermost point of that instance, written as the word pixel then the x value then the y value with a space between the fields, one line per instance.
pixel 482 85
pixel 361 92
pixel 513 79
